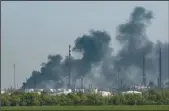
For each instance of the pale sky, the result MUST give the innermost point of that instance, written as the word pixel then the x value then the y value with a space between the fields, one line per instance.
pixel 30 31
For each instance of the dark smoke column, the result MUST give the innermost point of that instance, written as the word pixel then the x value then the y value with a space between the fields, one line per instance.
pixel 132 36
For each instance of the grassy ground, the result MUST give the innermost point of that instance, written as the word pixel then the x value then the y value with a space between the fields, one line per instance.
pixel 118 107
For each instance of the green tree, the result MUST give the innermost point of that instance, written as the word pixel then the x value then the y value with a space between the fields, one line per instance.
pixel 64 100
pixel 15 100
pixel 83 99
pixel 5 100
pixel 46 99
pixel 32 99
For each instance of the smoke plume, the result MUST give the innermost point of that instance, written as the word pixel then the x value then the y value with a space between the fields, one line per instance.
pixel 97 65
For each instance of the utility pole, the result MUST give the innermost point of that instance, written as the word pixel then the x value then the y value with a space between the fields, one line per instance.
pixel 168 64
pixel 14 78
pixel 69 67
pixel 168 67
pixel 144 74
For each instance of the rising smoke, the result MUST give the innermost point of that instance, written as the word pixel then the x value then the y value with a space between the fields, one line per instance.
pixel 97 65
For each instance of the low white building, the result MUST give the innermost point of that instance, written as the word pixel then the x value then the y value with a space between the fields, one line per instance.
pixel 104 93
pixel 38 90
pixel 94 90
pixel 140 87
pixel 79 90
pixel 2 92
pixel 132 92
pixel 62 91
pixel 28 90
pixel 33 91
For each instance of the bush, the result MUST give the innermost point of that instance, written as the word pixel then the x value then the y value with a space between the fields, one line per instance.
pixel 151 97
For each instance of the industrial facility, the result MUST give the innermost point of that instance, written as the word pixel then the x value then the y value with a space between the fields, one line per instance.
pixel 120 88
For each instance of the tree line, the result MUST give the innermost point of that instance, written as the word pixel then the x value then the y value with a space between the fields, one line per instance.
pixel 150 97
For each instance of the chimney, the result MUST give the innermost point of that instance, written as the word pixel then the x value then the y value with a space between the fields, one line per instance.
pixel 144 74
pixel 160 75
pixel 69 82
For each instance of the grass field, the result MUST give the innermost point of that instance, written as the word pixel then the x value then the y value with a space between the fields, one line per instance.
pixel 118 107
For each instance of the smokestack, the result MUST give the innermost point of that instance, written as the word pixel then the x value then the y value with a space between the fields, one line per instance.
pixel 121 84
pixel 74 87
pixel 144 74
pixel 69 84
pixel 35 83
pixel 14 78
pixel 81 83
pixel 25 83
pixel 118 78
pixel 160 76
pixel 118 74
pixel 158 81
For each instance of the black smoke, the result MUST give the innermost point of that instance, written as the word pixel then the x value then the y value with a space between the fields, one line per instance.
pixel 135 43
pixel 94 48
pixel 97 65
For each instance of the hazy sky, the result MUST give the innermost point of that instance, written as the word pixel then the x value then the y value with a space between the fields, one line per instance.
pixel 30 31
